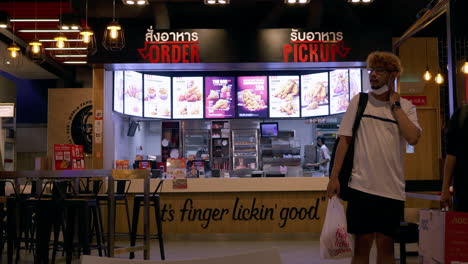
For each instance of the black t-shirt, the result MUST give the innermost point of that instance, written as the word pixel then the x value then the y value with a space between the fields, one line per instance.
pixel 457 145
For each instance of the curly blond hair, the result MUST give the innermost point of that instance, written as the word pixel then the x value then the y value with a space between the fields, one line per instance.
pixel 386 60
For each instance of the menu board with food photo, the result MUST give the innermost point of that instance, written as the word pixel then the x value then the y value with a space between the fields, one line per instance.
pixel 339 91
pixel 133 93
pixel 219 93
pixel 118 91
pixel 187 97
pixel 314 94
pixel 68 157
pixel 284 96
pixel 252 96
pixel 355 82
pixel 157 96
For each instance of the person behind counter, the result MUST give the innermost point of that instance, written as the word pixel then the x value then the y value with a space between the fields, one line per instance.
pixel 377 185
pixel 455 163
pixel 324 157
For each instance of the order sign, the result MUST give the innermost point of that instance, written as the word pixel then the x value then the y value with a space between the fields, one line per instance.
pixel 7 110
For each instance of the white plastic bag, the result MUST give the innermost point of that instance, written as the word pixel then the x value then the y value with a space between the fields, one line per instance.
pixel 335 242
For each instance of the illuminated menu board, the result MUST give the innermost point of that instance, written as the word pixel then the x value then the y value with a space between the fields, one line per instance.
pixel 355 83
pixel 219 96
pixel 284 96
pixel 187 97
pixel 133 93
pixel 157 96
pixel 314 94
pixel 118 91
pixel 252 96
pixel 339 91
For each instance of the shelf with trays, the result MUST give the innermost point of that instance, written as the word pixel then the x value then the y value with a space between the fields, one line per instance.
pixel 220 144
pixel 245 156
pixel 196 143
pixel 280 151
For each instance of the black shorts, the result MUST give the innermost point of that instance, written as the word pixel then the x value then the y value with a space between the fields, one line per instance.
pixel 367 213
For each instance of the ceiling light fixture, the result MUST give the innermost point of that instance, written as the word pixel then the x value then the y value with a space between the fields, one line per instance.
pixel 69 40
pixel 61 42
pixel 34 20
pixel 48 31
pixel 114 37
pixel 65 49
pixel 75 62
pixel 360 1
pixel 213 2
pixel 439 79
pixel 4 20
pixel 133 2
pixel 87 35
pixel 427 76
pixel 297 1
pixel 464 68
pixel 35 50
pixel 13 58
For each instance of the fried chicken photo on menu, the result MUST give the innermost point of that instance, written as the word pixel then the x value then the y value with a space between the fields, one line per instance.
pixel 252 101
pixel 183 110
pixel 192 94
pixel 213 95
pixel 288 91
pixel 315 95
pixel 288 108
pixel 221 104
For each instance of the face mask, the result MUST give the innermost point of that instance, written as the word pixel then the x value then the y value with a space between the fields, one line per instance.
pixel 380 90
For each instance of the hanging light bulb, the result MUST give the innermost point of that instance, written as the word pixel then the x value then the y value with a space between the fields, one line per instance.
pixel 464 68
pixel 35 46
pixel 427 75
pixel 439 79
pixel 60 41
pixel 86 35
pixel 114 28
pixel 114 37
pixel 14 50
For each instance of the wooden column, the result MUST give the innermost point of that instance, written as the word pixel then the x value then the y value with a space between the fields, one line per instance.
pixel 98 113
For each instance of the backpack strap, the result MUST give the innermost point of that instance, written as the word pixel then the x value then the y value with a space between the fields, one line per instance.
pixel 363 98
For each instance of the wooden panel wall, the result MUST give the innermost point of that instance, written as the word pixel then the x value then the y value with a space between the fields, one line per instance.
pixel 424 164
pixel 98 107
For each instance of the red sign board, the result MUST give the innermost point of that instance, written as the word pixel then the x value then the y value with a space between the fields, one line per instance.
pixel 68 157
pixel 417 100
pixel 456 242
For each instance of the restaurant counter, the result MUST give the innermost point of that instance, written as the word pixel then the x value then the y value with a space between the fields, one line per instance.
pixel 238 205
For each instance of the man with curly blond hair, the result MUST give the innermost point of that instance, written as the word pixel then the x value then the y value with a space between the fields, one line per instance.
pixel 377 184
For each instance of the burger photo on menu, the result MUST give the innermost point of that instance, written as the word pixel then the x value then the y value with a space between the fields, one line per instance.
pixel 284 96
pixel 133 93
pixel 219 97
pixel 339 91
pixel 314 94
pixel 157 99
pixel 252 96
pixel 187 99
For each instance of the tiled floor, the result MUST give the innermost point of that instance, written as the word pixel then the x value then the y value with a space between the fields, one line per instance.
pixel 303 249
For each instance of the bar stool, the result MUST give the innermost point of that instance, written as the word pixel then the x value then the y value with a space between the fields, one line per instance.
pixel 407 233
pixel 61 212
pixel 137 202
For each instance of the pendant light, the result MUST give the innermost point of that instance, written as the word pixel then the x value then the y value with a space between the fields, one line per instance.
pixel 35 50
pixel 87 35
pixel 439 79
pixel 114 38
pixel 61 41
pixel 464 68
pixel 13 57
pixel 427 76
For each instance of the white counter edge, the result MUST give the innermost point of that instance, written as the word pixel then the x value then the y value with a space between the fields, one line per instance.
pixel 210 185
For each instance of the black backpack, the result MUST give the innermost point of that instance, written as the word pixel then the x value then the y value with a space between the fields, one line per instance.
pixel 344 175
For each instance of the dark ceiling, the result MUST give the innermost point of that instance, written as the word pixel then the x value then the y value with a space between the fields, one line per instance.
pixel 394 15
